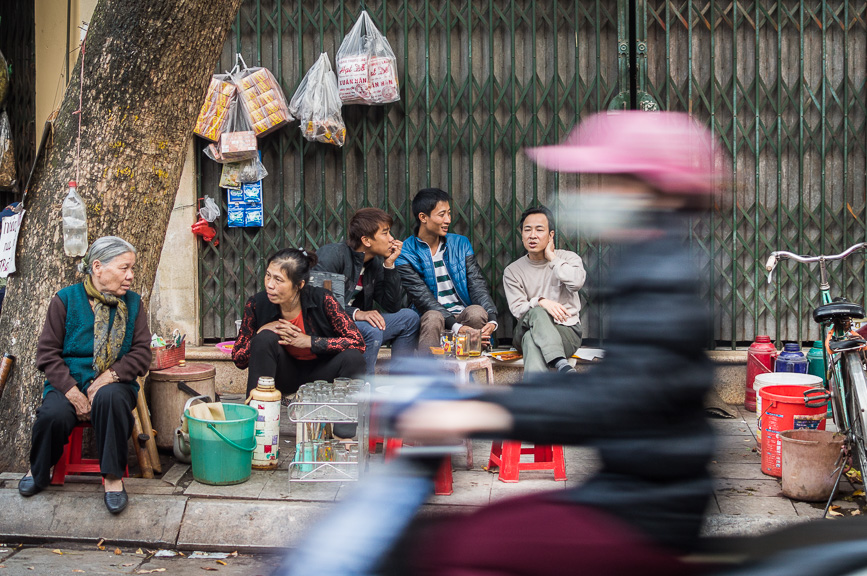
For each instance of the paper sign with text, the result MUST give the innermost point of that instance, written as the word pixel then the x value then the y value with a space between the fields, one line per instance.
pixel 8 240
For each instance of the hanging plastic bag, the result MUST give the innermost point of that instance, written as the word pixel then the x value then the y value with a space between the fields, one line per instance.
pixel 317 104
pixel 219 102
pixel 210 211
pixel 238 142
pixel 236 173
pixel 366 66
pixel 262 99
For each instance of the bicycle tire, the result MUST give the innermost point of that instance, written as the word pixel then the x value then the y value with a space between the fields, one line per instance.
pixel 857 403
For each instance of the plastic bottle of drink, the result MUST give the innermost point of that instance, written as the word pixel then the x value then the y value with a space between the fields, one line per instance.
pixel 816 360
pixel 791 359
pixel 74 223
pixel 760 359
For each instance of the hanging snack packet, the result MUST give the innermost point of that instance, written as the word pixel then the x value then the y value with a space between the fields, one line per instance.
pixel 317 104
pixel 366 66
pixel 236 216
pixel 238 142
pixel 230 174
pixel 215 110
pixel 263 99
pixel 253 215
pixel 252 192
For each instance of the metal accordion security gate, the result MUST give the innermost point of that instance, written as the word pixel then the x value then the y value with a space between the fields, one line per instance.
pixel 781 85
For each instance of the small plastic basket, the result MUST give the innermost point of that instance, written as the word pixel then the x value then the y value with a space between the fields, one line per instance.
pixel 164 357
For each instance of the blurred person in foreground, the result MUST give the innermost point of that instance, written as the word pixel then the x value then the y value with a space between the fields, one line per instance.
pixel 94 345
pixel 641 408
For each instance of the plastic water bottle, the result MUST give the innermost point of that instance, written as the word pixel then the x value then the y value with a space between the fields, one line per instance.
pixel 816 360
pixel 791 359
pixel 74 223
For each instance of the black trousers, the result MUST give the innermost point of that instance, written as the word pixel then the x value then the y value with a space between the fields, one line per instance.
pixel 111 416
pixel 269 358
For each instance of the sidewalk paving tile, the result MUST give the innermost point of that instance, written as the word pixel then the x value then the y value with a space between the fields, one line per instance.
pixel 737 471
pixel 531 482
pixel 471 488
pixel 154 520
pixel 241 565
pixel 755 505
pixel 721 525
pixel 249 489
pixel 147 486
pixel 246 525
pixel 712 507
pixel 738 487
pixel 278 488
pixel 733 427
pixel 45 561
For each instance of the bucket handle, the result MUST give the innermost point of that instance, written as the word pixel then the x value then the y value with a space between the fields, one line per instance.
pixel 227 441
pixel 816 398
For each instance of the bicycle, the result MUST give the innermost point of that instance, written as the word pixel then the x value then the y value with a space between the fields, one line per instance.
pixel 844 361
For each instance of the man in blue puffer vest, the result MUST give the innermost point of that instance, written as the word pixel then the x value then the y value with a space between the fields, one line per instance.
pixel 440 274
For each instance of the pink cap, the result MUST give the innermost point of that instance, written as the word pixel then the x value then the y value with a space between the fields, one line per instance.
pixel 669 150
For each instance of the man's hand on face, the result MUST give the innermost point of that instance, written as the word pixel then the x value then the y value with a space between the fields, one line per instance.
pixel 549 249
pixel 372 317
pixel 557 311
pixel 396 246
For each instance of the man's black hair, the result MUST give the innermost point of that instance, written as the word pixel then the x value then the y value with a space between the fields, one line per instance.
pixel 537 210
pixel 425 202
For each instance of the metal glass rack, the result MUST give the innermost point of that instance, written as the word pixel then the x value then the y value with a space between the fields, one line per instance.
pixel 317 461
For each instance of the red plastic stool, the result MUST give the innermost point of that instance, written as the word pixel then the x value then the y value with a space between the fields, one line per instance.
pixel 443 485
pixel 71 462
pixel 507 455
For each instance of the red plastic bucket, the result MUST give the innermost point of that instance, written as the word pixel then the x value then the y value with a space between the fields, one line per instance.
pixel 784 408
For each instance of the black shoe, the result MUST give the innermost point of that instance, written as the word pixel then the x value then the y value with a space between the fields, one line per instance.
pixel 567 369
pixel 27 487
pixel 116 501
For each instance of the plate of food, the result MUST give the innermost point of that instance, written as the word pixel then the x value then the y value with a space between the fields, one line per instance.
pixel 506 355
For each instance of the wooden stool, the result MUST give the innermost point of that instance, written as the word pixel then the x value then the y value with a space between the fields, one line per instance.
pixel 507 455
pixel 71 463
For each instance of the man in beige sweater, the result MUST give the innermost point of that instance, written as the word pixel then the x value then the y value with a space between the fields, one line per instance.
pixel 542 290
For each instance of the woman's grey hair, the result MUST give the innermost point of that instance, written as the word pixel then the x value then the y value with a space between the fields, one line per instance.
pixel 105 250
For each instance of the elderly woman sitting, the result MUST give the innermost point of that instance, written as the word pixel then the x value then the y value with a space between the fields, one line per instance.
pixel 94 344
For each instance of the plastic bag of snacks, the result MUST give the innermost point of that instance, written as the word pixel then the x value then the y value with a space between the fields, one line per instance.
pixel 317 104
pixel 236 173
pixel 366 66
pixel 262 98
pixel 219 101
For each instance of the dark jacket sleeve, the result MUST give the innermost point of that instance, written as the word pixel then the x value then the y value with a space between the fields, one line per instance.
pixel 49 349
pixel 136 362
pixel 348 336
pixel 387 291
pixel 478 288
pixel 419 294
pixel 241 349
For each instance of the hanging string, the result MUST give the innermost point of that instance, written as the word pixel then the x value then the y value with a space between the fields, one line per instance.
pixel 80 106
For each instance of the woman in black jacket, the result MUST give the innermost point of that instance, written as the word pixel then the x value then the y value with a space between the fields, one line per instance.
pixel 294 332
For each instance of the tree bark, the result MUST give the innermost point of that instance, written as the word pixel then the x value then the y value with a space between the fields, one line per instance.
pixel 146 69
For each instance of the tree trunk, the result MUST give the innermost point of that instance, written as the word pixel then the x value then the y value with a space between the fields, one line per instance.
pixel 146 68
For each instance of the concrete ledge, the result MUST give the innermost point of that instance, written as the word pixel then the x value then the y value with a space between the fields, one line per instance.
pixel 82 517
pixel 729 381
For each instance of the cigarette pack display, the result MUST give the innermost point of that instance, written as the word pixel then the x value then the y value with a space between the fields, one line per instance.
pixel 235 146
pixel 258 88
pixel 215 110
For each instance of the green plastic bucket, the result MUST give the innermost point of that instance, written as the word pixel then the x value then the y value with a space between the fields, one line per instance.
pixel 222 450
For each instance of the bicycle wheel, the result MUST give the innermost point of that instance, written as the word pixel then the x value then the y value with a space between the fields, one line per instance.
pixel 856 397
